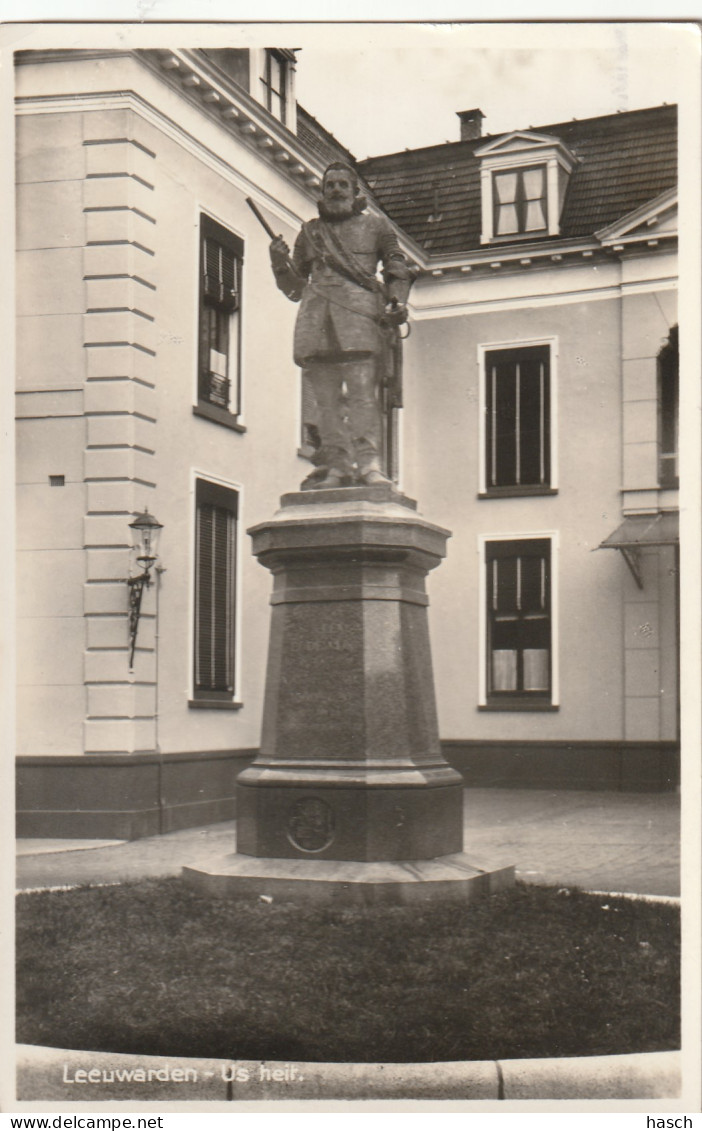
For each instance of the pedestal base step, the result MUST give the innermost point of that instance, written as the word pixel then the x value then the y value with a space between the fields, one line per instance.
pixel 342 881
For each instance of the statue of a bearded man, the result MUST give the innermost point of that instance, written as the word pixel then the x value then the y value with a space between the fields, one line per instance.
pixel 346 329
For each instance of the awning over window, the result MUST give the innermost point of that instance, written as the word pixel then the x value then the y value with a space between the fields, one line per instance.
pixel 639 531
pixel 642 530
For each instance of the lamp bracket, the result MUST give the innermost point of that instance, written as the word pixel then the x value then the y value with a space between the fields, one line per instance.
pixel 136 590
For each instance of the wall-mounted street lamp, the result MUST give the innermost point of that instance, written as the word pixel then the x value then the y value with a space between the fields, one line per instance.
pixel 147 530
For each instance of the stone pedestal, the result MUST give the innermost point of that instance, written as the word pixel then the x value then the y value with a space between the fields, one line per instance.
pixel 350 767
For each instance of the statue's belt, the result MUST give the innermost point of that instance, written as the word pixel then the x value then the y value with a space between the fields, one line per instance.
pixel 351 310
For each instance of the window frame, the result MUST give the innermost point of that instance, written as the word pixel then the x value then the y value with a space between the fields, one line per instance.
pixel 668 396
pixel 231 416
pixel 485 489
pixel 227 496
pixel 270 55
pixel 520 201
pixel 517 700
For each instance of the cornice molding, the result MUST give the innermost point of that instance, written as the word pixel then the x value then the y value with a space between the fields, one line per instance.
pixel 236 111
pixel 549 296
pixel 57 55
pixel 529 257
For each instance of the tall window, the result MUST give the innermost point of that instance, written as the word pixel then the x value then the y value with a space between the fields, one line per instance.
pixel 216 510
pixel 519 647
pixel 221 259
pixel 273 83
pixel 668 394
pixel 519 201
pixel 518 418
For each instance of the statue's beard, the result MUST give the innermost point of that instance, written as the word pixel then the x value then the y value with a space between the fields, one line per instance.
pixel 336 209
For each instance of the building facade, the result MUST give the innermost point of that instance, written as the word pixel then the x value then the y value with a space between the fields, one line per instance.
pixel 545 372
pixel 154 374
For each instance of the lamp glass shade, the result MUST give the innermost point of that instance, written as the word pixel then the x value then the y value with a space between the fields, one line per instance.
pixel 147 529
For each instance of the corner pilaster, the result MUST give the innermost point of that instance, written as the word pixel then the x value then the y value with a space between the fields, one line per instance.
pixel 119 341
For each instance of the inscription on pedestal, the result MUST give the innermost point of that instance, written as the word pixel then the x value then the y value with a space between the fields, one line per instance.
pixel 311 825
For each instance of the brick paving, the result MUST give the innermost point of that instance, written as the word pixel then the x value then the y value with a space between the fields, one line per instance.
pixel 605 841
pixel 624 842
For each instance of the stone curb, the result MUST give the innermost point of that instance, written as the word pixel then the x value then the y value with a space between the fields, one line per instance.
pixel 68 1075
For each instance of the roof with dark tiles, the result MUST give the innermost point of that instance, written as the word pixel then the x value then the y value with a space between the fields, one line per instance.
pixel 319 140
pixel 623 161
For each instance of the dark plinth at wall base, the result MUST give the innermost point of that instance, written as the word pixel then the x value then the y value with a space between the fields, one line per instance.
pixel 632 767
pixel 126 796
pixel 116 797
pixel 453 877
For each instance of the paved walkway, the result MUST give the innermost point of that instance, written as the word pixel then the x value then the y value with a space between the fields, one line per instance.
pixel 623 842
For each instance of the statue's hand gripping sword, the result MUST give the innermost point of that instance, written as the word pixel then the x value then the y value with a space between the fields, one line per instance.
pixel 286 276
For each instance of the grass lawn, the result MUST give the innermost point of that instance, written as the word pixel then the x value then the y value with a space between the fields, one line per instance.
pixel 153 968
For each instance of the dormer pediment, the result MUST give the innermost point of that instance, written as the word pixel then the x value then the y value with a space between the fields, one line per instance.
pixel 658 217
pixel 516 142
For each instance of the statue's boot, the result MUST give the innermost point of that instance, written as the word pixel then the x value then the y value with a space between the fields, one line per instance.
pixel 373 476
pixel 312 481
pixel 333 478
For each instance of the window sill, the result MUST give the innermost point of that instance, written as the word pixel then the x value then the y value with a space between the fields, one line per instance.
pixel 215 704
pixel 218 416
pixel 520 237
pixel 516 492
pixel 519 705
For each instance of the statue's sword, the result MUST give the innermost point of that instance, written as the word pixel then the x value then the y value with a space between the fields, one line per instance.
pixel 263 222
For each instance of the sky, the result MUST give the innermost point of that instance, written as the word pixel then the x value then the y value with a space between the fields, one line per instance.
pixel 385 86
pixel 380 90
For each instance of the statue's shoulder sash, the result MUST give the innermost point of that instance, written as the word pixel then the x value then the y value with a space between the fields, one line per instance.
pixel 330 249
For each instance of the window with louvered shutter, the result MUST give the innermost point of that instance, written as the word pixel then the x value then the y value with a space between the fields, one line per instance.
pixel 215 590
pixel 518 419
pixel 518 593
pixel 668 396
pixel 221 261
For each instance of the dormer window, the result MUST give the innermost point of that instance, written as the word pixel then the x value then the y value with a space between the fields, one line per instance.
pixel 524 177
pixel 274 81
pixel 266 73
pixel 520 201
